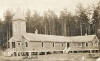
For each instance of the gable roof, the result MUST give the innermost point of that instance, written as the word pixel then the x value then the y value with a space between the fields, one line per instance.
pixel 54 38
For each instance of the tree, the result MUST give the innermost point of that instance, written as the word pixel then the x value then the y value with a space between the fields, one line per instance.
pixel 50 20
pixel 8 25
pixel 36 22
pixel 96 18
pixel 65 18
pixel 83 17
pixel 28 21
pixel 96 21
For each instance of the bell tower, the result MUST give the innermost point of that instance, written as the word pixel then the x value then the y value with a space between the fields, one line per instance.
pixel 19 23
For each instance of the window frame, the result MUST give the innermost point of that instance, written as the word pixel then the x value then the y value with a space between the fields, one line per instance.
pixel 53 44
pixel 42 44
pixel 13 45
pixel 62 44
pixel 86 44
pixel 8 44
pixel 26 44
pixel 19 43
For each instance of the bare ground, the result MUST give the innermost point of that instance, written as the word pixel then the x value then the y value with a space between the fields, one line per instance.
pixel 52 57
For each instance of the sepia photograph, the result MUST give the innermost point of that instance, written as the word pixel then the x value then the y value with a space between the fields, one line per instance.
pixel 49 30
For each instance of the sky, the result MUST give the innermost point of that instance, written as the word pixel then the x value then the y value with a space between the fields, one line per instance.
pixel 42 5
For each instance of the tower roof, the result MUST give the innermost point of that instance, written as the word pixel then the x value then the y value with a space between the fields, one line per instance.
pixel 19 14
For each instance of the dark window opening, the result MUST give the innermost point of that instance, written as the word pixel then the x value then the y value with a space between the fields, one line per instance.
pixel 26 44
pixel 86 44
pixel 53 45
pixel 15 54
pixel 27 54
pixel 18 53
pixel 42 44
pixel 68 45
pixel 13 44
pixel 8 44
pixel 62 44
pixel 18 43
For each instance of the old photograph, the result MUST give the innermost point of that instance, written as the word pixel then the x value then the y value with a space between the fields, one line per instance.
pixel 49 30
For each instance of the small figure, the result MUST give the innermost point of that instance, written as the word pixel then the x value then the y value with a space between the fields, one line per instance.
pixel 36 31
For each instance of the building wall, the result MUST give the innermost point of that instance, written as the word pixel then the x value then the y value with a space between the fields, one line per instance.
pixel 50 46
pixel 19 28
pixel 82 44
pixel 19 44
pixel 47 46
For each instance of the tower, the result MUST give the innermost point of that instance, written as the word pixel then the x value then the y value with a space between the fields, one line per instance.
pixel 19 23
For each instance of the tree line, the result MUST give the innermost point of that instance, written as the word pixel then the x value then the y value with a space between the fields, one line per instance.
pixel 85 21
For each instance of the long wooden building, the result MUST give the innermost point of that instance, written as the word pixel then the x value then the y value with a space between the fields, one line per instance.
pixel 28 44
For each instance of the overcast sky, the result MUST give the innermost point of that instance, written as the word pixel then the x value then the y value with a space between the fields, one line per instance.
pixel 42 5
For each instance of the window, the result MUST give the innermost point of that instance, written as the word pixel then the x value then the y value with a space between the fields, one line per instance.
pixel 8 44
pixel 62 44
pixel 26 44
pixel 18 43
pixel 19 54
pixel 53 45
pixel 86 44
pixel 42 44
pixel 27 54
pixel 68 45
pixel 15 54
pixel 13 44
